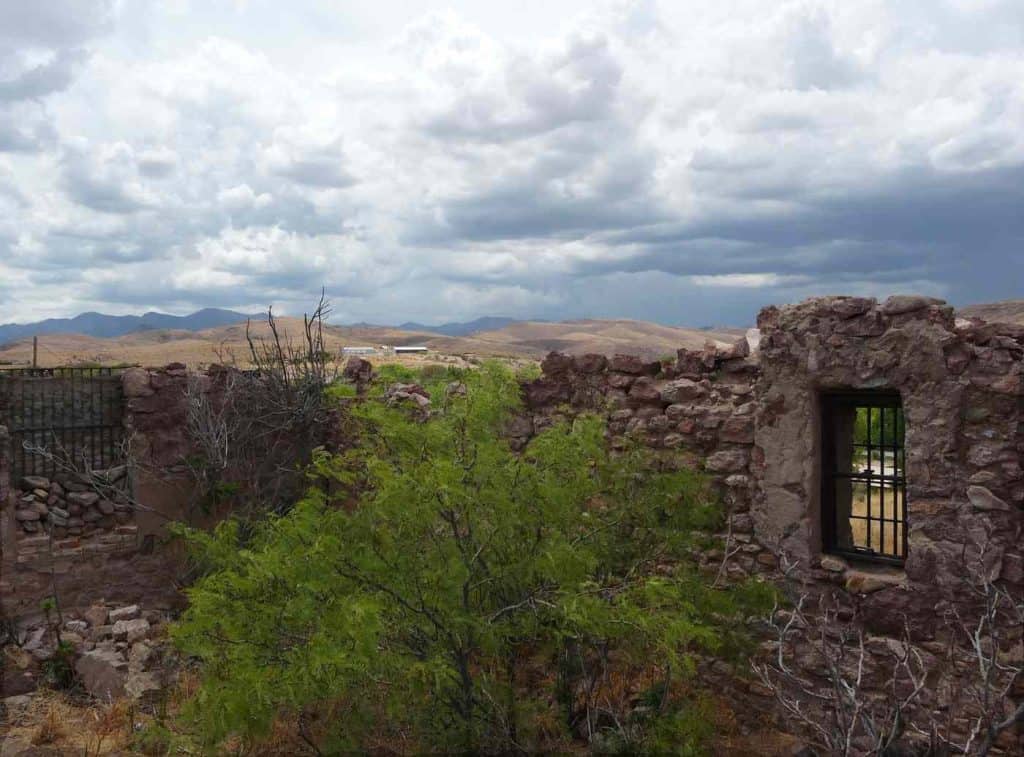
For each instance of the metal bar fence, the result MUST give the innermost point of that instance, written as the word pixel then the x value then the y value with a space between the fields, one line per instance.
pixel 75 413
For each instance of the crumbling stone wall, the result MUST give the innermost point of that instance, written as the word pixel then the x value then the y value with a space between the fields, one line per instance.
pixel 753 423
pixel 119 556
pixel 697 411
pixel 961 390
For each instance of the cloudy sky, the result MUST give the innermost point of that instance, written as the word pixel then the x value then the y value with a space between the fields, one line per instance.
pixel 678 161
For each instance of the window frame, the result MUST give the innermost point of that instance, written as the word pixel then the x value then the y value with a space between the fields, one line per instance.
pixel 830 402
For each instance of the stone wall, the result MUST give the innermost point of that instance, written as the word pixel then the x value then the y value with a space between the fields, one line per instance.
pixel 93 543
pixel 960 385
pixel 752 422
pixel 697 411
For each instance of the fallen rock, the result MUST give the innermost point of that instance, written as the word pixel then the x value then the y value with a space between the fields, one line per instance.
pixel 124 613
pixel 111 475
pixel 455 389
pixel 590 363
pixel 556 364
pixel 37 640
pixel 96 615
pixel 103 673
pixel 142 686
pixel 397 393
pixel 139 656
pixel 131 630
pixel 16 705
pixel 17 746
pixel 74 639
pixel 98 633
pixel 833 564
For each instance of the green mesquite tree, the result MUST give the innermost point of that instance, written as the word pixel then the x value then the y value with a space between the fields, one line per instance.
pixel 436 589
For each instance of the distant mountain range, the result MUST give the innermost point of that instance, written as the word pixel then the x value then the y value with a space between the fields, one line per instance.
pixel 466 328
pixel 105 326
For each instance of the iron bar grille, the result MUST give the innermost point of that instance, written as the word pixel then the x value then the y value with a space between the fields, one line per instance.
pixel 864 484
pixel 74 413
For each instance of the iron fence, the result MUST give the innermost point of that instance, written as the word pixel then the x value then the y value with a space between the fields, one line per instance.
pixel 76 414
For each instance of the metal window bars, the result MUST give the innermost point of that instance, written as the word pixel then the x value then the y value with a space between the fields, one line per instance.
pixel 864 502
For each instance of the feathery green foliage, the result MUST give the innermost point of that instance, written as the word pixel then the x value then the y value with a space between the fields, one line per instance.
pixel 439 591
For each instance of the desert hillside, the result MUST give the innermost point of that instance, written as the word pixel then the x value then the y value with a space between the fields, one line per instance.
pixel 159 347
pixel 1006 311
pixel 522 340
pixel 535 339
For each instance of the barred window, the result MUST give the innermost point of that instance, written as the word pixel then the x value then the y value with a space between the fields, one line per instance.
pixel 864 502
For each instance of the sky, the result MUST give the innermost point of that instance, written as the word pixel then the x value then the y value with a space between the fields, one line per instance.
pixel 675 161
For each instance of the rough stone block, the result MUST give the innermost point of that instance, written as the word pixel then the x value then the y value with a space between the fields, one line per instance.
pixel 738 429
pixel 682 390
pixel 124 613
pixel 131 630
pixel 983 499
pixel 103 673
pixel 142 687
pixel 28 483
pixel 630 364
pixel 900 304
pixel 590 363
pixel 644 391
pixel 728 461
pixel 83 499
pixel 135 382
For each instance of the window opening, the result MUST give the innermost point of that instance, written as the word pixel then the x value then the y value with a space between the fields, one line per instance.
pixel 863 481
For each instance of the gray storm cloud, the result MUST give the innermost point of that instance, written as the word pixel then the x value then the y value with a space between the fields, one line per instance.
pixel 683 162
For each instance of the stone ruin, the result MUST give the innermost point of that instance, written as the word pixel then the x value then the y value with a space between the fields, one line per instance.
pixel 750 416
pixel 753 421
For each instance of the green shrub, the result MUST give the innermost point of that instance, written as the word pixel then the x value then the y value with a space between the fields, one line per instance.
pixel 473 599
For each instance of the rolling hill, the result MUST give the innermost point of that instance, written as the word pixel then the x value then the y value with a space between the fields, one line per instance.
pixel 155 338
pixel 537 338
pixel 1006 311
pixel 526 339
